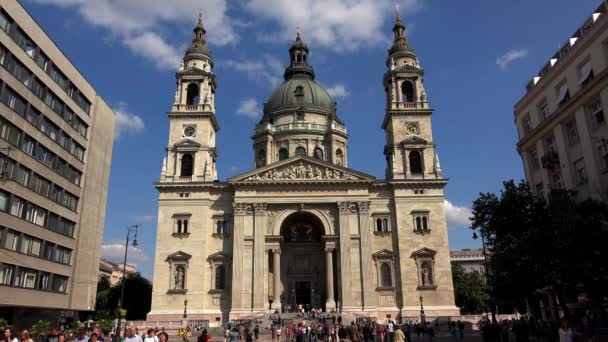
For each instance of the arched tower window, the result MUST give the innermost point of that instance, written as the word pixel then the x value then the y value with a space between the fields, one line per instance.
pixel 415 162
pixel 185 230
pixel 300 151
pixel 283 153
pixel 261 159
pixel 187 165
pixel 318 154
pixel 385 275
pixel 419 223
pixel 220 274
pixel 425 223
pixel 298 58
pixel 379 225
pixel 384 225
pixel 219 227
pixel 192 94
pixel 407 90
pixel 339 157
pixel 179 226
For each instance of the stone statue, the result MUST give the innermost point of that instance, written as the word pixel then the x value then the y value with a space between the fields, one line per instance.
pixel 181 66
pixel 426 274
pixel 179 278
pixel 176 98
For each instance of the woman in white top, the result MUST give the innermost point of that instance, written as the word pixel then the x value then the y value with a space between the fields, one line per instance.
pixel 565 333
pixel 8 336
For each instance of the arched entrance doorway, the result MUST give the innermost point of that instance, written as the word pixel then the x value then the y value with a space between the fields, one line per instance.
pixel 303 269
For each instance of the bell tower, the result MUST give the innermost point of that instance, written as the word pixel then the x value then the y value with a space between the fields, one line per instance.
pixel 409 150
pixel 191 152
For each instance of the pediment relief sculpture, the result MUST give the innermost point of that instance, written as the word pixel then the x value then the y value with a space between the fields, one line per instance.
pixel 302 171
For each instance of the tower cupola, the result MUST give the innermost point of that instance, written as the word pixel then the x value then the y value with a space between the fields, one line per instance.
pixel 199 49
pixel 401 48
pixel 298 56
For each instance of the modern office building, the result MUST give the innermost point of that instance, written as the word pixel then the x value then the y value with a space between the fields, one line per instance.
pixel 561 120
pixel 56 138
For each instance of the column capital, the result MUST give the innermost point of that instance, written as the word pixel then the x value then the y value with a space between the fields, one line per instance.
pixel 275 251
pixel 346 208
pixel 330 250
pixel 363 207
pixel 260 208
pixel 242 209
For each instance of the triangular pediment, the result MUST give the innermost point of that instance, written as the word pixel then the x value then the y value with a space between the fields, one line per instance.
pixel 414 141
pixel 383 254
pixel 301 169
pixel 424 252
pixel 179 256
pixel 187 143
pixel 217 256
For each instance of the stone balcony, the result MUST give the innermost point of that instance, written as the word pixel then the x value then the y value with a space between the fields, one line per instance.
pixel 409 105
pixel 300 126
pixel 204 107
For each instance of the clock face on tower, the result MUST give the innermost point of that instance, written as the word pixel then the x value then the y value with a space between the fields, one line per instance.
pixel 411 128
pixel 189 131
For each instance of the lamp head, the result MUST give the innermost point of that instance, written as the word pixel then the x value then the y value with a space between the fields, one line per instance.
pixel 474 235
pixel 134 244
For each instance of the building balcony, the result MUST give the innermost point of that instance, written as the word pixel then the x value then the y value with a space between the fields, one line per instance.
pixel 415 176
pixel 300 126
pixel 191 108
pixel 409 105
pixel 550 160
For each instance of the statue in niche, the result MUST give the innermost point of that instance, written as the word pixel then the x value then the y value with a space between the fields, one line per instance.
pixel 425 270
pixel 179 275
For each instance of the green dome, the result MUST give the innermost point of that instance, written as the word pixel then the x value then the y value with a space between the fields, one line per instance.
pixel 300 92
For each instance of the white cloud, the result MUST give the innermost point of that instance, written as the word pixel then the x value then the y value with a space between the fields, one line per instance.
pixel 511 56
pixel 144 218
pixel 338 90
pixel 269 69
pixel 249 107
pixel 126 121
pixel 116 252
pixel 139 24
pixel 341 25
pixel 456 216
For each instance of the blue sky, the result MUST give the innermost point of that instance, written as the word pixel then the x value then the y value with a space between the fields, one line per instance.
pixel 477 55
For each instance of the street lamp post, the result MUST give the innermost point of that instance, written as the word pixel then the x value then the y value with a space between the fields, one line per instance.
pixel 185 309
pixel 485 258
pixel 130 229
pixel 422 316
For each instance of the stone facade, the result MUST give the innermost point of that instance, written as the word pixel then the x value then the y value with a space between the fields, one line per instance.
pixel 302 227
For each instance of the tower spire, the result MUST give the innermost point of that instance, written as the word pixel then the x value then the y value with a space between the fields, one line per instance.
pixel 298 55
pixel 397 15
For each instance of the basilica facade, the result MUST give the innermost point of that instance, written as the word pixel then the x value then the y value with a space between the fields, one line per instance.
pixel 301 228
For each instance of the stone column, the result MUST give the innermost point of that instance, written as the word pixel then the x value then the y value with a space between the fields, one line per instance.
pixel 330 304
pixel 369 295
pixel 276 280
pixel 345 262
pixel 259 252
pixel 238 239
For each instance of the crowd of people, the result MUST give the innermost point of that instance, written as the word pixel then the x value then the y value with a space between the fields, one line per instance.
pixel 523 330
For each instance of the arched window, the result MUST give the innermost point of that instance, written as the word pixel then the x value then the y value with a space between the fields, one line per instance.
pixel 415 162
pixel 318 154
pixel 425 223
pixel 385 225
pixel 179 226
pixel 261 159
pixel 220 274
pixel 300 151
pixel 339 157
pixel 225 227
pixel 385 275
pixel 180 277
pixel 298 58
pixel 283 154
pixel 192 94
pixel 219 227
pixel 419 223
pixel 185 230
pixel 379 225
pixel 407 90
pixel 187 165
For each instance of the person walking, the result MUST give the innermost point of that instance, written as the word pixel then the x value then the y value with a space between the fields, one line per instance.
pixel 25 337
pixel 461 329
pixel 399 336
pixel 204 337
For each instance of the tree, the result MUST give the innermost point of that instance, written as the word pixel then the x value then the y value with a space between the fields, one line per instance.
pixel 40 330
pixel 470 291
pixel 137 299
pixel 552 246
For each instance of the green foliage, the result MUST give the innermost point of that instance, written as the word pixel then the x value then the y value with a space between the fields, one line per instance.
pixel 40 328
pixel 537 244
pixel 4 324
pixel 137 299
pixel 106 325
pixel 470 292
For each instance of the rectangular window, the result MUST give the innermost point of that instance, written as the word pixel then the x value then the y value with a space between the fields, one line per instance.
pixel 43 281
pixel 59 77
pixel 580 172
pixel 36 246
pixel 572 132
pixel 584 73
pixel 6 274
pixel 563 95
pixel 526 125
pixel 33 116
pixel 49 249
pixel 28 144
pixel 42 60
pixel 2 55
pixel 26 244
pixel 540 192
pixel 4 198
pixel 12 240
pixel 35 214
pixel 533 155
pixel 59 283
pixel 22 175
pixel 543 110
pixel 550 145
pixel 14 101
pixel 49 128
pixel 84 103
pixel 17 205
pixel 596 110
pixel 38 88
pixel 78 152
pixel 4 22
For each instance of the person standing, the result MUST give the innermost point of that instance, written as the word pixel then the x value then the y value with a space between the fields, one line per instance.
pixel 398 335
pixel 391 331
pixel 461 329
pixel 25 337
pixel 8 336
